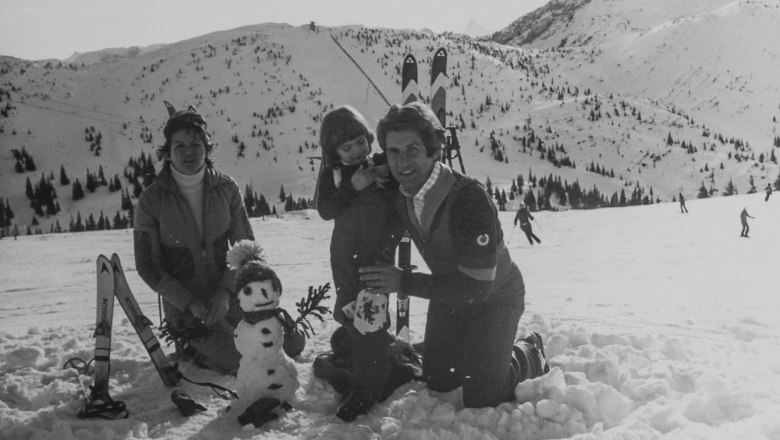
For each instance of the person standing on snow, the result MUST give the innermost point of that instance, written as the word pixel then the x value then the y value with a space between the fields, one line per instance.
pixel 745 228
pixel 683 209
pixel 356 190
pixel 525 225
pixel 475 291
pixel 768 191
pixel 183 225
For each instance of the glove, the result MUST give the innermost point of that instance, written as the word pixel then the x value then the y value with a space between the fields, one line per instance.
pixel 186 404
pixel 260 412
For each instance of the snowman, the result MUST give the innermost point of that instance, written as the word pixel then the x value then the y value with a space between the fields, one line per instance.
pixel 267 378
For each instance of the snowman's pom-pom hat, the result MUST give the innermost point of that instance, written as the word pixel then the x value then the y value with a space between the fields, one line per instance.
pixel 246 258
pixel 243 252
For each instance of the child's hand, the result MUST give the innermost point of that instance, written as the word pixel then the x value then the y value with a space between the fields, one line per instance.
pixel 383 173
pixel 364 177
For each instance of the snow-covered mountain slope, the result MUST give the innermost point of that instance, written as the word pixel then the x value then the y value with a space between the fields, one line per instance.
pixel 264 89
pixel 715 60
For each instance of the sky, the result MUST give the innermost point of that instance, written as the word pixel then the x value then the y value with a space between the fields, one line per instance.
pixel 658 325
pixel 41 29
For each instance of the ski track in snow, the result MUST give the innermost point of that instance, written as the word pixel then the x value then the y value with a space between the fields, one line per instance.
pixel 658 325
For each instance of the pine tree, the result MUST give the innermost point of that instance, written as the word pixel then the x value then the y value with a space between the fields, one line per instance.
pixel 90 223
pixel 731 189
pixel 77 192
pixel 703 192
pixel 282 195
pixel 29 164
pixel 117 221
pixel 63 177
pixel 28 190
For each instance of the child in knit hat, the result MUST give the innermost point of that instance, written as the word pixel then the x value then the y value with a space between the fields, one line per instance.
pixel 356 190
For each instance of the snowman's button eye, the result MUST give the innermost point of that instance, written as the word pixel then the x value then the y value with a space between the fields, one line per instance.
pixel 265 331
pixel 247 290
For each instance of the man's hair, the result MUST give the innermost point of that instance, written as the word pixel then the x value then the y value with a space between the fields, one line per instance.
pixel 341 125
pixel 417 117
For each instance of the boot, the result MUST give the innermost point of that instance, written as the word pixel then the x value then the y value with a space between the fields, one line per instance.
pixel 528 353
pixel 260 412
pixel 359 401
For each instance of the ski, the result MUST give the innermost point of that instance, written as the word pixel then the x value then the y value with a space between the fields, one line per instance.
pixel 438 83
pixel 103 321
pixel 409 93
pixel 169 374
pixel 402 309
pixel 409 80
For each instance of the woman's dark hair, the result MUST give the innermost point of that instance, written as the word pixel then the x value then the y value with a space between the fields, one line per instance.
pixel 417 117
pixel 189 120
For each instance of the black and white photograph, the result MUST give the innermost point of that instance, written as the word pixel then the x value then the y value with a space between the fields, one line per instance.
pixel 353 220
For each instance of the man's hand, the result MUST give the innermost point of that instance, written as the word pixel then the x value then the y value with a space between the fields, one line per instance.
pixel 220 304
pixel 383 278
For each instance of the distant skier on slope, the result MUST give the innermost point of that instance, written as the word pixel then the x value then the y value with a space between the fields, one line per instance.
pixel 745 228
pixel 523 216
pixel 683 209
pixel 768 191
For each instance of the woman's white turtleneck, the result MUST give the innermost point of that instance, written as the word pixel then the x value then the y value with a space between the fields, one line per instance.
pixel 191 186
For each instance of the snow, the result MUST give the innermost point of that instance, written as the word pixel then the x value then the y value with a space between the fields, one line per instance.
pixel 658 325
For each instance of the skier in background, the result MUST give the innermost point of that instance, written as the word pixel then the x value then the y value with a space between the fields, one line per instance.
pixel 745 228
pixel 768 191
pixel 475 291
pixel 683 209
pixel 356 190
pixel 523 216
pixel 183 225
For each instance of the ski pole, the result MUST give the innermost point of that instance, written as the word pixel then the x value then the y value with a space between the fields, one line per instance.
pixel 512 233
pixel 537 224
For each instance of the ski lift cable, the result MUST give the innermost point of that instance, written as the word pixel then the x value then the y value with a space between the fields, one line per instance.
pixel 70 113
pixel 335 40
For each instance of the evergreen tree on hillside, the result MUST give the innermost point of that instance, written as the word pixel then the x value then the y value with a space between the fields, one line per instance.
pixel 262 206
pixel 77 192
pixel 63 177
pixel 28 189
pixel 91 184
pixel 29 164
pixel 731 189
pixel 703 192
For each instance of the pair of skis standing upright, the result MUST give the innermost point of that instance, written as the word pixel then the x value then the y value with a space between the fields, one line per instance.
pixel 409 93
